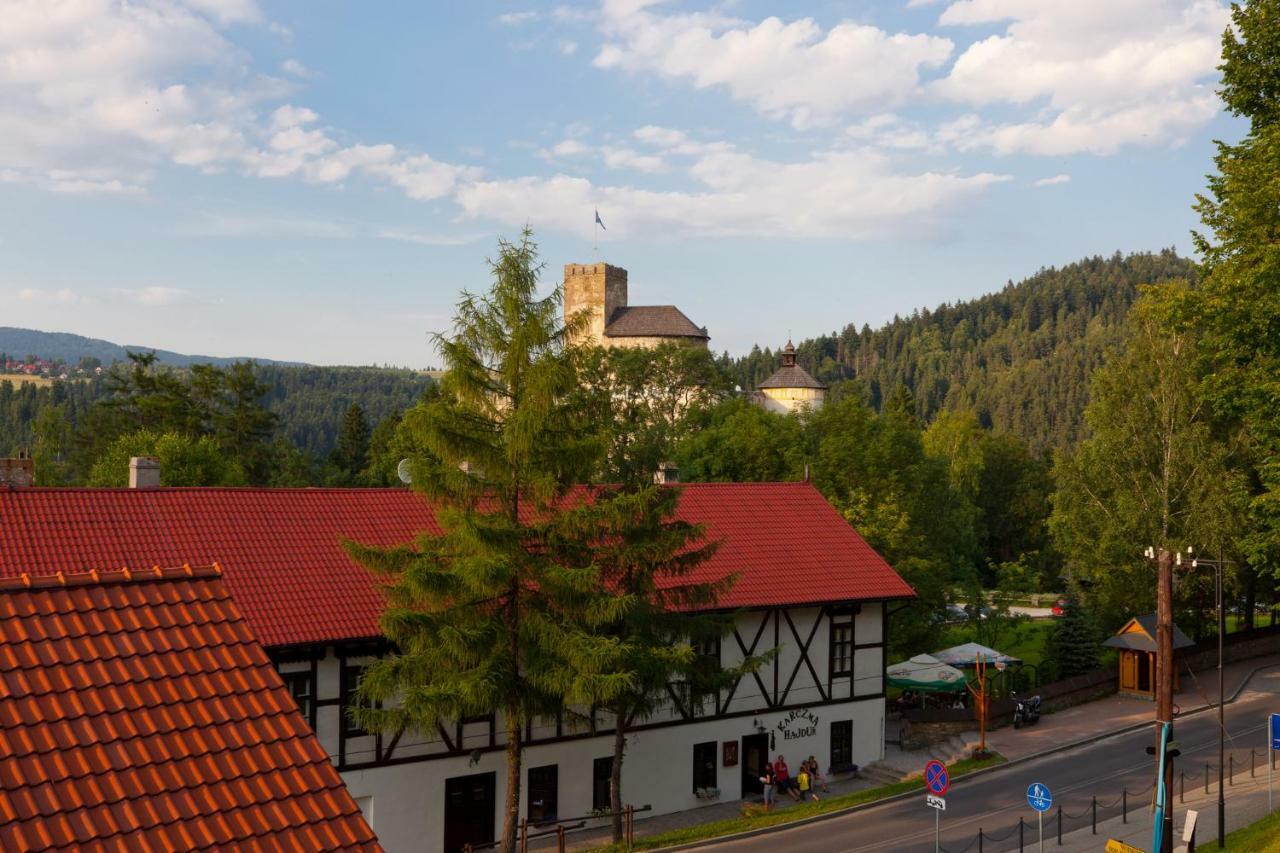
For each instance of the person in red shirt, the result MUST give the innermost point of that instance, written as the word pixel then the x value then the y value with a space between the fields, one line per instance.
pixel 783 777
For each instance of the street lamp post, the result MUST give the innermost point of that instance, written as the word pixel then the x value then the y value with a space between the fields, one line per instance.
pixel 1217 565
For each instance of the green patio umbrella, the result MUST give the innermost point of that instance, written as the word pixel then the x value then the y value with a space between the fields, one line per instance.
pixel 927 674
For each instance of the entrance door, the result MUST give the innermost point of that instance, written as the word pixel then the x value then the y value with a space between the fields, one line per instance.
pixel 468 811
pixel 755 752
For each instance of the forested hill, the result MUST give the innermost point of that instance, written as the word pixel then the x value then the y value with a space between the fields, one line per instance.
pixel 66 347
pixel 1020 358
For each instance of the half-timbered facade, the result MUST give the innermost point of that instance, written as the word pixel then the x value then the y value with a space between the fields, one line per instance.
pixel 808 586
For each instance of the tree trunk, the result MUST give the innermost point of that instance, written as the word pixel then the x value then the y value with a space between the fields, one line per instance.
pixel 1250 599
pixel 511 814
pixel 615 773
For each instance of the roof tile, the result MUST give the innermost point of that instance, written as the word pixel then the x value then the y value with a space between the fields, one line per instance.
pixel 285 566
pixel 152 747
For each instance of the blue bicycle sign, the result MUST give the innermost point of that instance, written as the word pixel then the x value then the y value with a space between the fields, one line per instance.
pixel 1039 797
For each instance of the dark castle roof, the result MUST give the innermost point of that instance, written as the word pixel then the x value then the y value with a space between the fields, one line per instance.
pixel 790 375
pixel 652 321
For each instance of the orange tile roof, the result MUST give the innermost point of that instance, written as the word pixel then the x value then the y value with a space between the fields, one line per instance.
pixel 139 712
pixel 286 567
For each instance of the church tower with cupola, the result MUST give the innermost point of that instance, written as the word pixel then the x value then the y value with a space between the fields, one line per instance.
pixel 790 388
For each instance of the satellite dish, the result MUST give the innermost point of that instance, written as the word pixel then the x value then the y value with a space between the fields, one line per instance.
pixel 403 472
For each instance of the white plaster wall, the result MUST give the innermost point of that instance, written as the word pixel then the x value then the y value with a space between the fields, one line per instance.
pixel 406 801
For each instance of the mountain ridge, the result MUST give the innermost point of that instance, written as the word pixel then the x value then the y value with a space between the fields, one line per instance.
pixel 18 342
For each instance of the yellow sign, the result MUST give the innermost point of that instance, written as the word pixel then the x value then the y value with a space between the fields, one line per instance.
pixel 1114 846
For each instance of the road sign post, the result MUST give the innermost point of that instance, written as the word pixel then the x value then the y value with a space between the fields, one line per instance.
pixel 1040 798
pixel 1273 743
pixel 938 781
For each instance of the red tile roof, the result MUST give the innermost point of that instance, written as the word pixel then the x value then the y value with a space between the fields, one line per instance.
pixel 140 713
pixel 284 565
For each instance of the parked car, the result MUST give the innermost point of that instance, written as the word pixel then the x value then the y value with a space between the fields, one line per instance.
pixel 1058 606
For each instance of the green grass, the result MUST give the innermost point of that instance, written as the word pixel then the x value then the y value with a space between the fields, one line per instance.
pixel 1025 641
pixel 1260 837
pixel 730 826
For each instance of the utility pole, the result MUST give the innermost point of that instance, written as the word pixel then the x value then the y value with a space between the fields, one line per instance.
pixel 1218 566
pixel 1164 750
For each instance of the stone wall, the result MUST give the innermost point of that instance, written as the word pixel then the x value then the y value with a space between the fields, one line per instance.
pixel 599 289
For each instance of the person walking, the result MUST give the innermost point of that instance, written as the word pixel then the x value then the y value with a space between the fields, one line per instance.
pixel 804 782
pixel 767 780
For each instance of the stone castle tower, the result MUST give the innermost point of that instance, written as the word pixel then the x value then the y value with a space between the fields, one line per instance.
pixel 601 291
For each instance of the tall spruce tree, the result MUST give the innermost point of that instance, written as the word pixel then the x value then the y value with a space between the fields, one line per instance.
pixel 484 616
pixel 351 453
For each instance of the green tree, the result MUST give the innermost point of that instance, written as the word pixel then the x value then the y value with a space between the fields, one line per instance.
pixel 737 441
pixel 1238 303
pixel 49 453
pixel 184 461
pixel 644 552
pixel 1074 646
pixel 351 454
pixel 648 396
pixel 1151 471
pixel 483 616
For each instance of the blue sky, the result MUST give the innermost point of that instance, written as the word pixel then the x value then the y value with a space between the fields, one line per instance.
pixel 317 180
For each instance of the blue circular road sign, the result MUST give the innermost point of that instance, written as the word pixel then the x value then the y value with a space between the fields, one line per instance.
pixel 936 778
pixel 1039 797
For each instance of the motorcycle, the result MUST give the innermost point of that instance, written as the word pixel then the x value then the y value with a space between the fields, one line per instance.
pixel 1025 711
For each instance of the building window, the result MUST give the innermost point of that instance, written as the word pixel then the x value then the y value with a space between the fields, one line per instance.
pixel 302 687
pixel 841 744
pixel 705 702
pixel 704 765
pixel 601 770
pixel 841 649
pixel 544 792
pixel 350 676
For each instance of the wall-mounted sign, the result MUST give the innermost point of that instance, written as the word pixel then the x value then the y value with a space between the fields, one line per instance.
pixel 801 723
pixel 730 753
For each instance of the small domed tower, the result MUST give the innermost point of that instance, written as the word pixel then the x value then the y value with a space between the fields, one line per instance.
pixel 791 387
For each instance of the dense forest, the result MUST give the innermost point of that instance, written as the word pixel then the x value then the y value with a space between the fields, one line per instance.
pixel 1020 358
pixel 308 402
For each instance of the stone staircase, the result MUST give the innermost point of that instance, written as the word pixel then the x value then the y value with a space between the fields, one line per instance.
pixel 899 764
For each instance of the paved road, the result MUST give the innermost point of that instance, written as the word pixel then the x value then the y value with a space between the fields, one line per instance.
pixel 996 801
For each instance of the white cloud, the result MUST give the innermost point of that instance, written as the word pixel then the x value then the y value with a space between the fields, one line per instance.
pixel 515 19
pixel 627 158
pixel 295 68
pixel 422 178
pixel 152 296
pixel 854 194
pixel 58 296
pixel 568 148
pixel 426 238
pixel 1097 74
pixel 567 47
pixel 1053 181
pixel 785 70
pixel 97 94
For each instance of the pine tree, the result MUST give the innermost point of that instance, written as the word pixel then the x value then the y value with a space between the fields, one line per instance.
pixel 643 552
pixel 483 615
pixel 351 453
pixel 1073 647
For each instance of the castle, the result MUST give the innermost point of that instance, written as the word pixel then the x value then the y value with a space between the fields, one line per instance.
pixel 601 290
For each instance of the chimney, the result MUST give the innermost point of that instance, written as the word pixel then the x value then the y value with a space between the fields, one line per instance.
pixel 144 472
pixel 18 472
pixel 667 474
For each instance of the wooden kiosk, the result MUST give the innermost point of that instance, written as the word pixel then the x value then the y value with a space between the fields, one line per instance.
pixel 1137 644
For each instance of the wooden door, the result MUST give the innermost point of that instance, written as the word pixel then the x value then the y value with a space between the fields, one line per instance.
pixel 755 752
pixel 468 810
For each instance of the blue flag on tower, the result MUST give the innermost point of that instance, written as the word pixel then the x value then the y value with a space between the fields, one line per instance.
pixel 599 221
